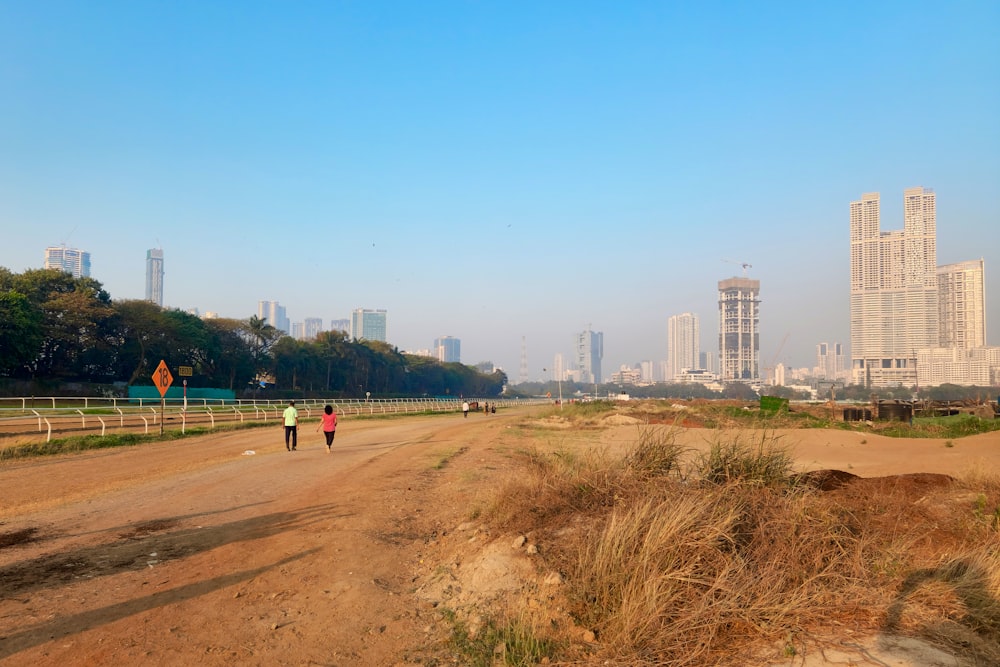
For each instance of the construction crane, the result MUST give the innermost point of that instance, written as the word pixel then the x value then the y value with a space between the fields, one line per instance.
pixel 745 265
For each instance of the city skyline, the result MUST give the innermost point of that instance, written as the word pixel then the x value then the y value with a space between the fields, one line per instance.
pixel 503 174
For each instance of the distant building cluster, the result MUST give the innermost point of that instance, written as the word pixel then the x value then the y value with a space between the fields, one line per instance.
pixel 912 322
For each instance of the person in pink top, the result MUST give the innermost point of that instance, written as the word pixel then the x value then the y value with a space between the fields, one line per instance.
pixel 328 420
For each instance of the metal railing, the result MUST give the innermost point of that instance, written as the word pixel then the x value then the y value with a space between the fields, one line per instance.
pixel 26 418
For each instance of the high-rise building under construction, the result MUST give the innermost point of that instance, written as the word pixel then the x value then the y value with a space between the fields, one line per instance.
pixel 739 335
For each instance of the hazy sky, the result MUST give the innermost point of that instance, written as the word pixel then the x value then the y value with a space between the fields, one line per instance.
pixel 497 170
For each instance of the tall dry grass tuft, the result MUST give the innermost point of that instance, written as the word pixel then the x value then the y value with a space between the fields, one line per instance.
pixel 655 454
pixel 676 558
pixel 646 581
pixel 750 456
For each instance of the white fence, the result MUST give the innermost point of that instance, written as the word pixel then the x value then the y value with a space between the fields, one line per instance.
pixel 26 419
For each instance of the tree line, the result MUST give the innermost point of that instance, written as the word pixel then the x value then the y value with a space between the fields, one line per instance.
pixel 55 328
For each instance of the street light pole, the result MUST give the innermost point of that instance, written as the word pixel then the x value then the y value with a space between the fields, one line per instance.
pixel 559 382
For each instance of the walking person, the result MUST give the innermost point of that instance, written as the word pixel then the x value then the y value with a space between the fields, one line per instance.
pixel 328 420
pixel 465 408
pixel 291 421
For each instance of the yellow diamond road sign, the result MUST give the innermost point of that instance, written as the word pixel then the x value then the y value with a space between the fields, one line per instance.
pixel 162 378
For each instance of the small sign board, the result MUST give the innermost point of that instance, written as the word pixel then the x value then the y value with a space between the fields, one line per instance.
pixel 185 371
pixel 162 378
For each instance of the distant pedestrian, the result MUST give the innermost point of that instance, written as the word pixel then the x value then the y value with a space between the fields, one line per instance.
pixel 328 420
pixel 465 409
pixel 291 421
pixel 493 408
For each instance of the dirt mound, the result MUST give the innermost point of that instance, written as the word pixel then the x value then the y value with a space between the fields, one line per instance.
pixel 831 480
pixel 824 480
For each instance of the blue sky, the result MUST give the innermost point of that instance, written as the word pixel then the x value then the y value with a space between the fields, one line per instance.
pixel 494 171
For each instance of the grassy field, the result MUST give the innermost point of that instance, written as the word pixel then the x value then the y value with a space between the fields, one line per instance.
pixel 680 558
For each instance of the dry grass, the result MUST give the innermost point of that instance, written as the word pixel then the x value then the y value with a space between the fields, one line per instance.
pixel 678 559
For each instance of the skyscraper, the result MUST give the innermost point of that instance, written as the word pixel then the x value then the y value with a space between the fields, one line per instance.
pixel 589 346
pixel 830 361
pixel 448 349
pixel 154 276
pixel 70 260
pixel 739 338
pixel 313 327
pixel 683 333
pixel 368 324
pixel 962 304
pixel 894 289
pixel 274 313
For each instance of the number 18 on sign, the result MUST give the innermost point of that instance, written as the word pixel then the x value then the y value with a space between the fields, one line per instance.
pixel 162 379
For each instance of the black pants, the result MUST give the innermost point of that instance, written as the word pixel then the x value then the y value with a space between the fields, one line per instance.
pixel 329 437
pixel 294 432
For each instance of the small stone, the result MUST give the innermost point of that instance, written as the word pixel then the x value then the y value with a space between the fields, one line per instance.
pixel 274 626
pixel 532 549
pixel 589 636
pixel 519 541
pixel 552 579
pixel 236 594
pixel 468 525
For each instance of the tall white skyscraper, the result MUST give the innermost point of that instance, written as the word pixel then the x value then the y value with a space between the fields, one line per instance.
pixel 589 346
pixel 313 327
pixel 274 313
pixel 683 335
pixel 368 324
pixel 830 361
pixel 154 276
pixel 894 290
pixel 962 304
pixel 448 349
pixel 739 336
pixel 70 260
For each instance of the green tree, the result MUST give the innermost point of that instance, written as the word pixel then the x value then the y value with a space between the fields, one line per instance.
pixel 261 337
pixel 139 325
pixel 74 329
pixel 21 332
pixel 332 351
pixel 229 361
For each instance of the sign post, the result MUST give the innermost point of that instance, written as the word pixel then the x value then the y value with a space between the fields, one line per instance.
pixel 162 379
pixel 185 372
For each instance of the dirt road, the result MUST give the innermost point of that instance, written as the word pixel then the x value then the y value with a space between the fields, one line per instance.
pixel 199 552
pixel 193 552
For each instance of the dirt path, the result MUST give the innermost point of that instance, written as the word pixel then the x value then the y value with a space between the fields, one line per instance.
pixel 191 552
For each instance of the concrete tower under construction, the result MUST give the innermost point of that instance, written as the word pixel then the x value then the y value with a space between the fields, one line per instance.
pixel 739 338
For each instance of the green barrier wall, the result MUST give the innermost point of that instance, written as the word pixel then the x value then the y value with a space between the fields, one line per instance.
pixel 177 393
